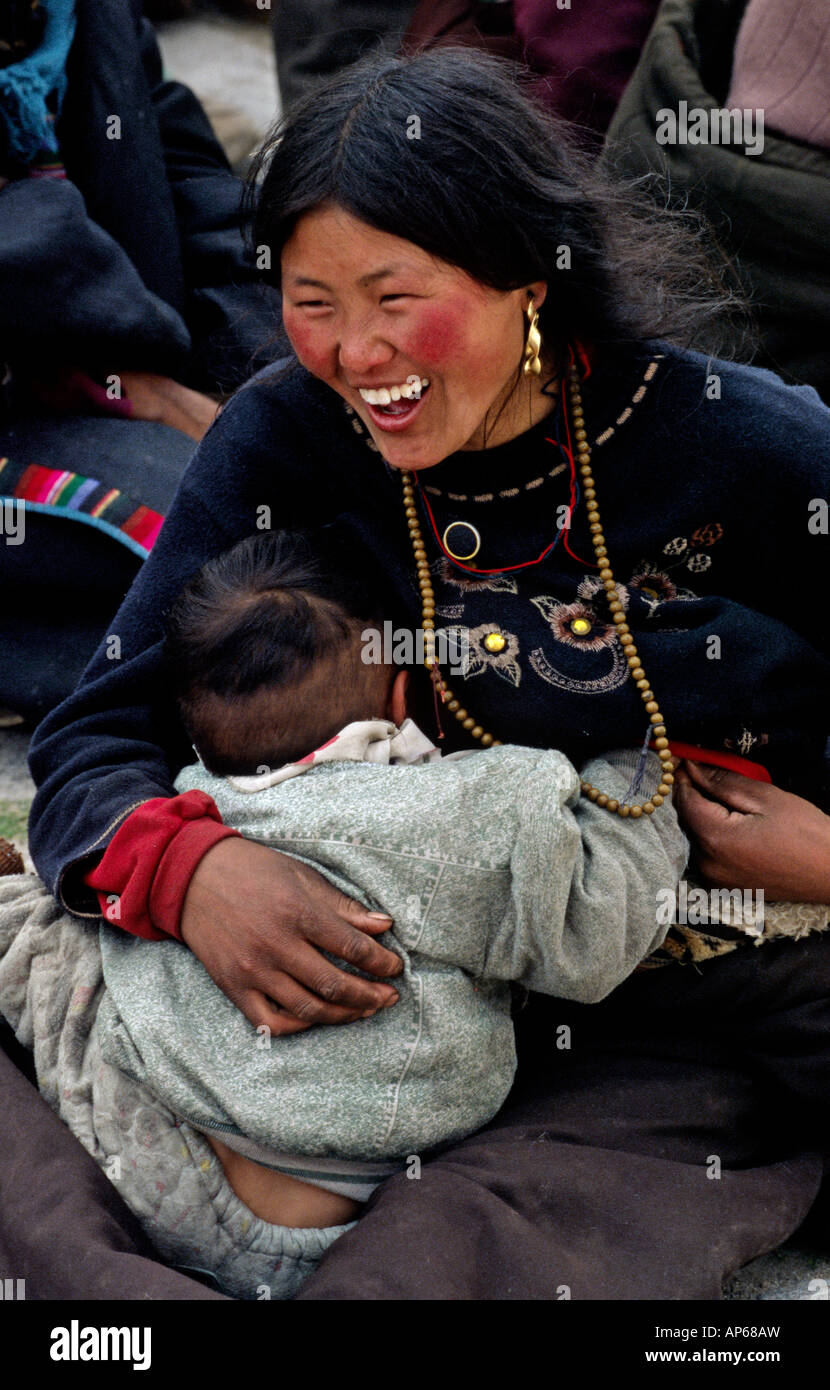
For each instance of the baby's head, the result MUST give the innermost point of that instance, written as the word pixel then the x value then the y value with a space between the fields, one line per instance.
pixel 265 654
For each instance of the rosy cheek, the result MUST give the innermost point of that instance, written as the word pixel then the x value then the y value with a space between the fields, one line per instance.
pixel 438 336
pixel 311 342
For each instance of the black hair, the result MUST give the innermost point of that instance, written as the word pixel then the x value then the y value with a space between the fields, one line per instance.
pixel 273 614
pixel 447 149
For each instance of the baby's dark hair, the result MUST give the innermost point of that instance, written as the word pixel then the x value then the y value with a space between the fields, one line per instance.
pixel 264 652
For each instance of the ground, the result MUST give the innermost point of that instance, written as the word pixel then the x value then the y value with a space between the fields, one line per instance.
pixel 229 63
pixel 230 66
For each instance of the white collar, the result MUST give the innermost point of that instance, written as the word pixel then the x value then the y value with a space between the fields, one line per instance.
pixel 366 741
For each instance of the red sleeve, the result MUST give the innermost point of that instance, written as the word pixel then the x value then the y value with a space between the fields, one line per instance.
pixel 144 875
pixel 719 758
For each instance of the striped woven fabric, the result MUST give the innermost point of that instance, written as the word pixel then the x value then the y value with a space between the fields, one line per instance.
pixel 82 499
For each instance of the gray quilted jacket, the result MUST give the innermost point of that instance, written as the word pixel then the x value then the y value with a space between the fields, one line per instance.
pixel 494 869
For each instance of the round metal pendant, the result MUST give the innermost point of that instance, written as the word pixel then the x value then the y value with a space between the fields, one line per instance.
pixel 461 540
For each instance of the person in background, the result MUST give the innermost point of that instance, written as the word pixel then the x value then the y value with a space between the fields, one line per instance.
pixel 767 196
pixel 315 38
pixel 128 307
pixel 582 57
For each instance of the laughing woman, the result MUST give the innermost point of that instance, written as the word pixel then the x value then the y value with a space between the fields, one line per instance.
pixel 497 395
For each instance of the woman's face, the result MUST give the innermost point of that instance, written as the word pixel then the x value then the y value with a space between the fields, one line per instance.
pixel 366 311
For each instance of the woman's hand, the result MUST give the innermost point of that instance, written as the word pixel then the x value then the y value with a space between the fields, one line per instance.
pixel 258 921
pixel 165 401
pixel 749 834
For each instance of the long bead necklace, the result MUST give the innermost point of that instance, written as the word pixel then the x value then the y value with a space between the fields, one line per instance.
pixel 638 675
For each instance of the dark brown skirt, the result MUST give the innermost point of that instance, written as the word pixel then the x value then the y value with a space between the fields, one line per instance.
pixel 654 1144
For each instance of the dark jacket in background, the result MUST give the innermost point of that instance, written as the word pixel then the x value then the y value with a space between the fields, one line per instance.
pixel 771 210
pixel 137 259
pixel 314 39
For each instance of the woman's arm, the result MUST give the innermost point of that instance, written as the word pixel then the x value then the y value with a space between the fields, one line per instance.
pixel 752 835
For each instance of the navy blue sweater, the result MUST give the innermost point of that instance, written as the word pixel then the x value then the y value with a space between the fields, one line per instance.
pixel 708 479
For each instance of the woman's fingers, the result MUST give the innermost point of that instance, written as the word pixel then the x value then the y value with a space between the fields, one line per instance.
pixel 292 1009
pixel 335 900
pixel 330 933
pixel 344 928
pixel 699 815
pixel 354 912
pixel 260 921
pixel 308 990
pixel 731 789
pixel 331 986
pixel 712 800
pixel 755 835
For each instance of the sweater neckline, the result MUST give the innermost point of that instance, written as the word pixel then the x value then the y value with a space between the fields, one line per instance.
pixel 616 387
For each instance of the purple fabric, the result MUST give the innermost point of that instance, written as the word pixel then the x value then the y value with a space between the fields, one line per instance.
pixel 586 53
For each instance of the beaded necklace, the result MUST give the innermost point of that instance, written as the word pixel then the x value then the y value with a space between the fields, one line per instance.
pixel 623 632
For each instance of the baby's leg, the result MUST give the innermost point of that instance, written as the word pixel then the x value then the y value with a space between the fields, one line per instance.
pixel 280 1199
pixel 51 984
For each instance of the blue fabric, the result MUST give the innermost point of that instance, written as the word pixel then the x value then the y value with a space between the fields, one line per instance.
pixel 25 87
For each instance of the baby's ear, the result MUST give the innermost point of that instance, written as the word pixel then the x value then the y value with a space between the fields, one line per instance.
pixel 396 708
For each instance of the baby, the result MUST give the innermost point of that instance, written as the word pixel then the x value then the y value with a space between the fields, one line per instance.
pixel 492 866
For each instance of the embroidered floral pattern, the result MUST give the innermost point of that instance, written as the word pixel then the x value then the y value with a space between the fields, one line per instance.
pixel 689 552
pixel 598 685
pixel 708 534
pixel 473 583
pixel 590 587
pixel 600 635
pixel 445 573
pixel 505 663
pixel 745 742
pixel 561 616
pixel 654 584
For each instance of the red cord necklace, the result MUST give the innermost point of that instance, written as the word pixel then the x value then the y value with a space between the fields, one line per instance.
pixel 563 531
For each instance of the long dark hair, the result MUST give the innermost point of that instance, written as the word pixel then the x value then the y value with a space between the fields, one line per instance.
pixel 447 150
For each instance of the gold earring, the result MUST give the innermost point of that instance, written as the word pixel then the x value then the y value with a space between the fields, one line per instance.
pixel 533 362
